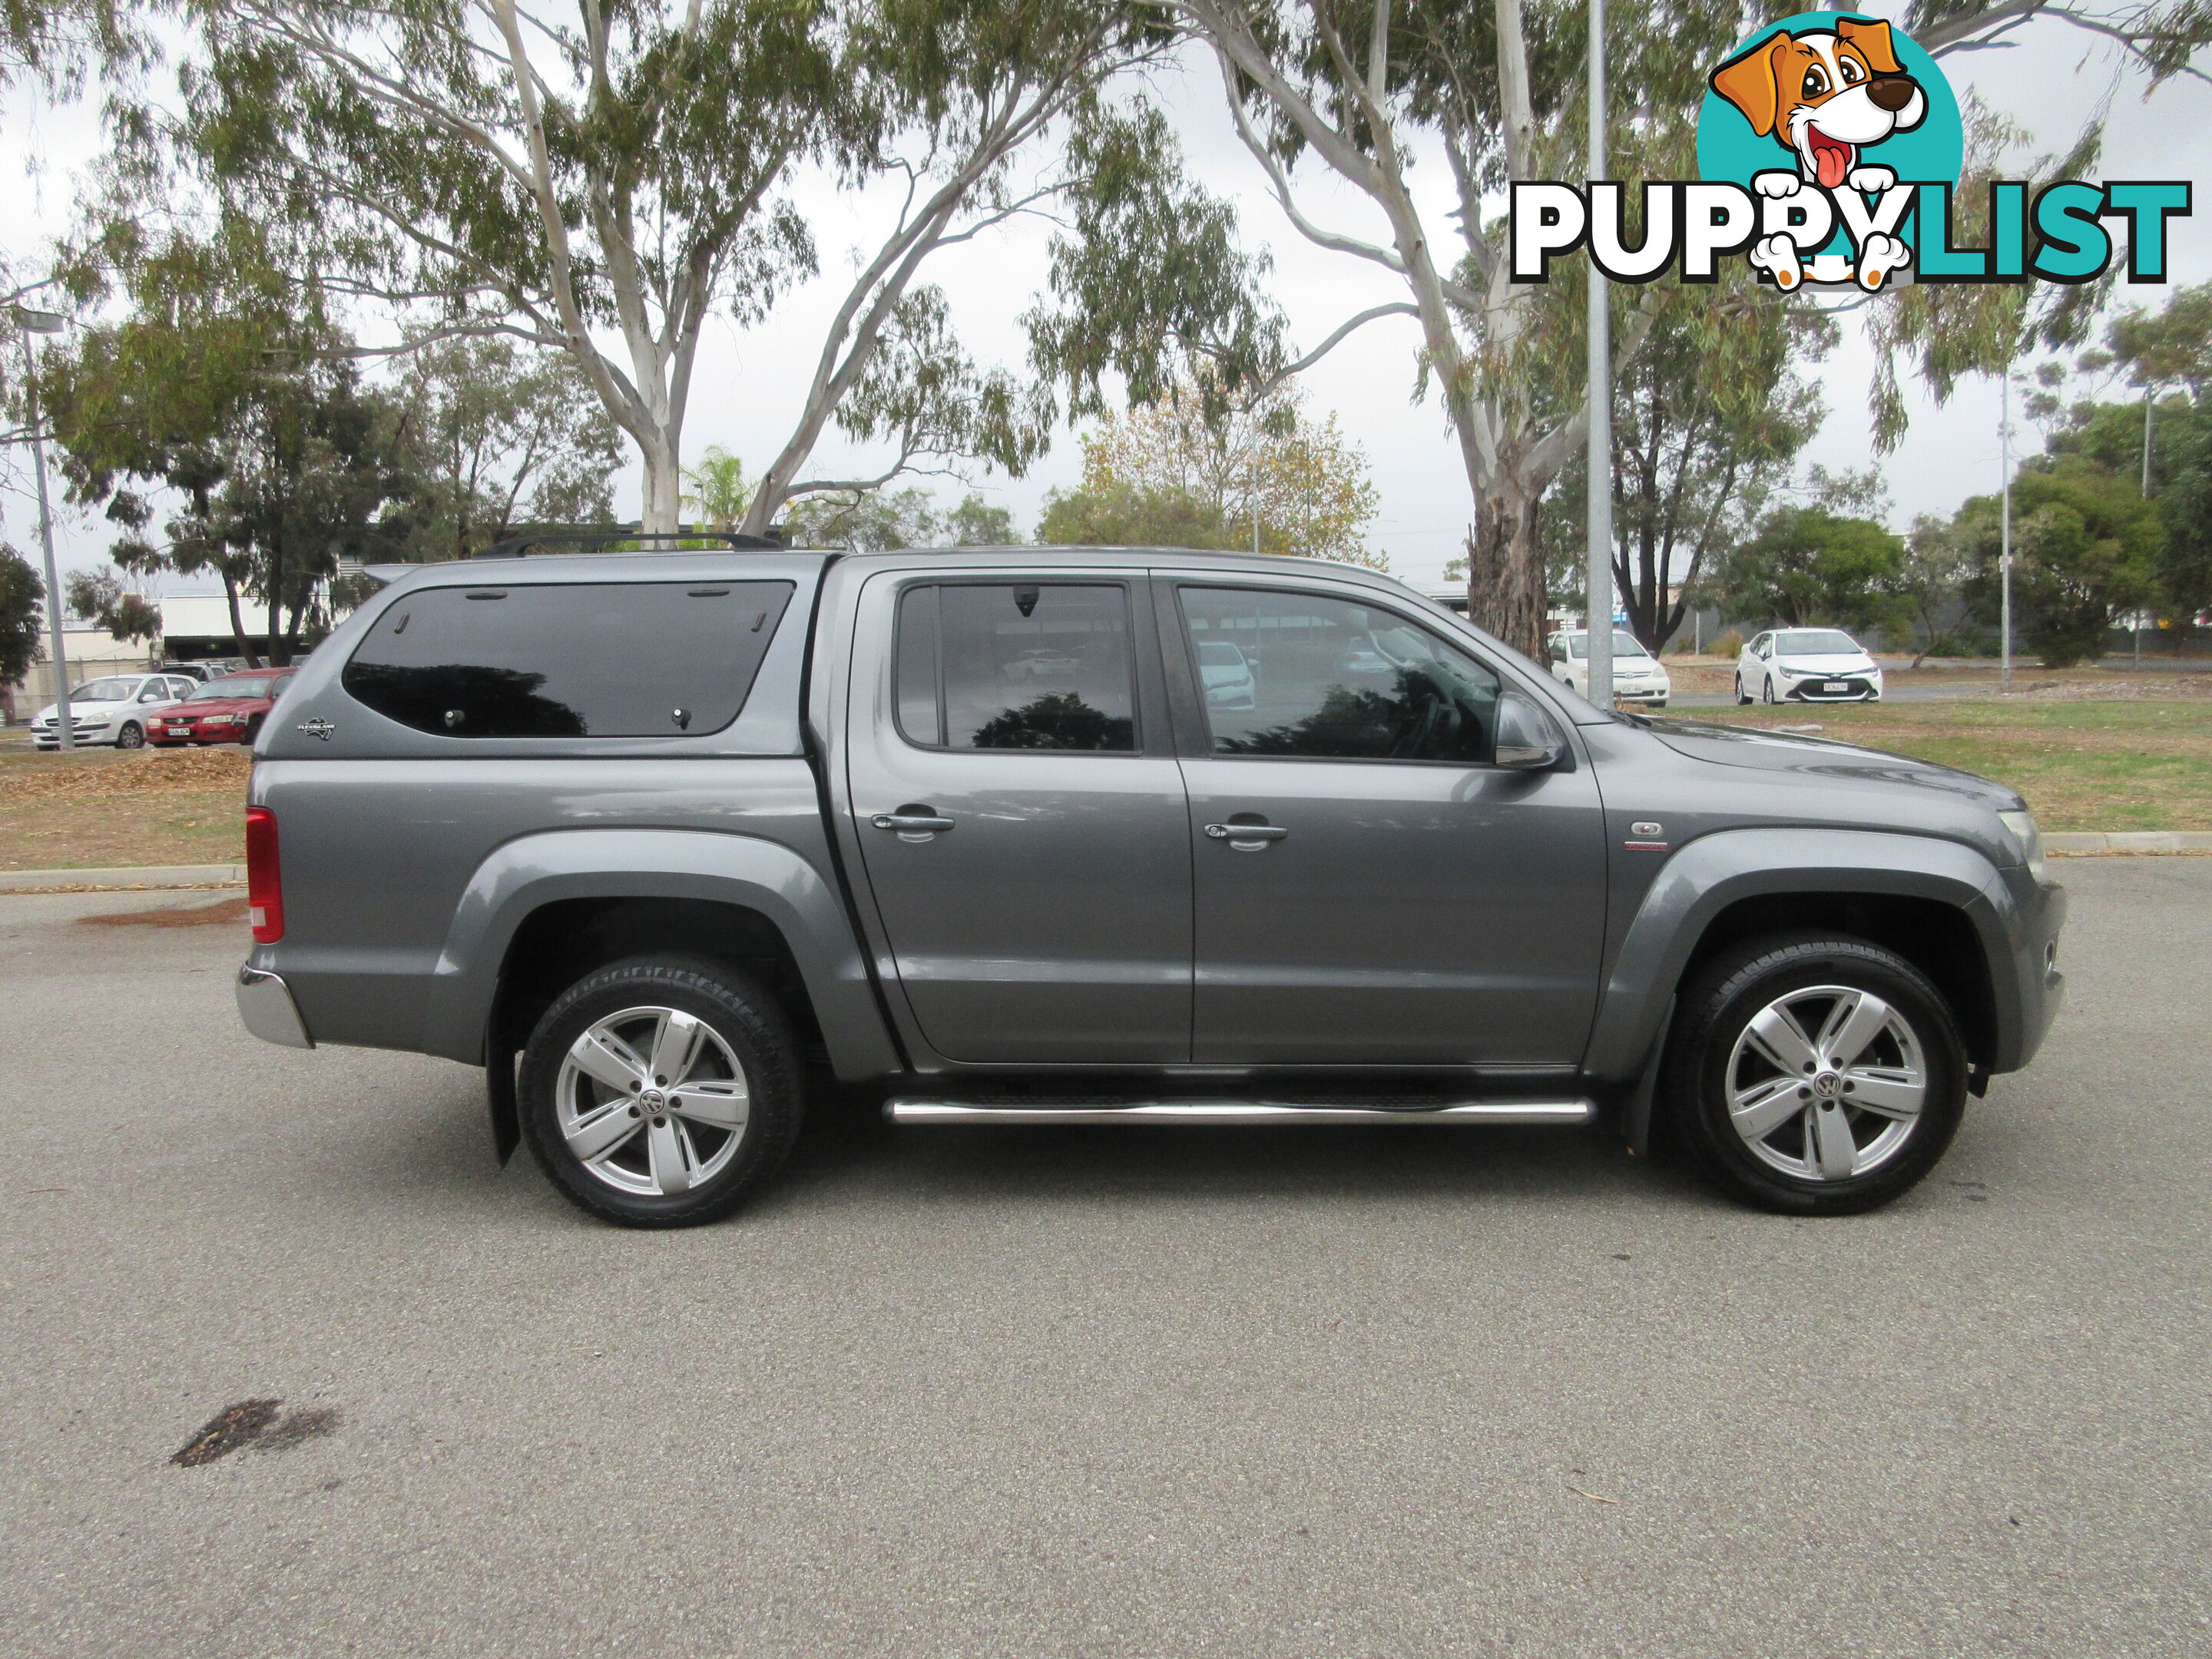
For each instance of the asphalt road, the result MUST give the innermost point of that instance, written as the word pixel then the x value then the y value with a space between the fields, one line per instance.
pixel 1023 1392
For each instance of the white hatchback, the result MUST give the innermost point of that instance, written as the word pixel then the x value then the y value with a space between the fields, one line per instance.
pixel 1807 664
pixel 111 710
pixel 1637 675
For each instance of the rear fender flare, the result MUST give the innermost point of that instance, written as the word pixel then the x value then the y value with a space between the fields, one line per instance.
pixel 745 871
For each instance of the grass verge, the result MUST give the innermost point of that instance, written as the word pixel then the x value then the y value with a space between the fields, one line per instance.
pixel 2123 765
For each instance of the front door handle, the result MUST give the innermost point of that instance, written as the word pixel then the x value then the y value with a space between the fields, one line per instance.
pixel 1247 837
pixel 911 821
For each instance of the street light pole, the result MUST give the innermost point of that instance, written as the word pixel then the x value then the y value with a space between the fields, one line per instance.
pixel 47 322
pixel 2004 554
pixel 1599 633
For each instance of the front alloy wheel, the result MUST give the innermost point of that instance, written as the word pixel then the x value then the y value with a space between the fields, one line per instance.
pixel 1814 1075
pixel 1826 1083
pixel 659 1091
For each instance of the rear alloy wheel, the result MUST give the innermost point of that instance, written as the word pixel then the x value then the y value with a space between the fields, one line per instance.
pixel 1815 1076
pixel 659 1091
pixel 1743 696
pixel 131 737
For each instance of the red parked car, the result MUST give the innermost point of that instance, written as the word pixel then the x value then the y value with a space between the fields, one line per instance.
pixel 226 710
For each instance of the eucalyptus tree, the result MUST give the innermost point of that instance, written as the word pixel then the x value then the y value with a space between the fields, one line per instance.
pixel 1709 419
pixel 602 182
pixel 1372 93
pixel 226 388
pixel 496 437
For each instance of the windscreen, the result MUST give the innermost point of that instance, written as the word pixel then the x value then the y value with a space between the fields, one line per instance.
pixel 1816 642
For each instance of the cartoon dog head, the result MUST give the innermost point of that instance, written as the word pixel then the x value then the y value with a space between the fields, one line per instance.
pixel 1824 95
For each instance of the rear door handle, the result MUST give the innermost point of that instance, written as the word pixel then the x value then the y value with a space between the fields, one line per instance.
pixel 1247 837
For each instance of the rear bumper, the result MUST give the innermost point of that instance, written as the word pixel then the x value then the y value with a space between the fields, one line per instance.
pixel 266 1005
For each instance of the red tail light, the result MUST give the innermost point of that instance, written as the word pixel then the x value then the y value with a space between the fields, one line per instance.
pixel 264 882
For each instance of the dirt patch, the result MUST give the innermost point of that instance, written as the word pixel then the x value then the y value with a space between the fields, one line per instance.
pixel 256 1423
pixel 2133 687
pixel 177 915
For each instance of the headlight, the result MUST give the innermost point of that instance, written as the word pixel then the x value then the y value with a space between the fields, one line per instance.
pixel 2022 826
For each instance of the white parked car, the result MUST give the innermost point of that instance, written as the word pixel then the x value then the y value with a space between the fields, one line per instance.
pixel 1227 674
pixel 1807 664
pixel 1637 675
pixel 111 710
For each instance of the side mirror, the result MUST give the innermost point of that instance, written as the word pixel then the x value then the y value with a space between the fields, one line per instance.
pixel 1528 741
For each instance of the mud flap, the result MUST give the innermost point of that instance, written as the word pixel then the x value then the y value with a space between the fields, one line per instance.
pixel 500 1097
pixel 1636 1116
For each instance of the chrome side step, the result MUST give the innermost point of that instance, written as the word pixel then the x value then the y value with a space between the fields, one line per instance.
pixel 915 1109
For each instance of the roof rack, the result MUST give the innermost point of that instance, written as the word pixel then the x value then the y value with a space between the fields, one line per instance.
pixel 519 547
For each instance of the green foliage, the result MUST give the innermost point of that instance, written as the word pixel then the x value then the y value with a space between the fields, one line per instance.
pixel 881 521
pixel 2184 492
pixel 1709 417
pixel 1929 587
pixel 227 387
pixel 1152 284
pixel 717 488
pixel 1810 565
pixel 125 613
pixel 1197 468
pixel 1124 515
pixel 22 616
pixel 2084 542
pixel 495 437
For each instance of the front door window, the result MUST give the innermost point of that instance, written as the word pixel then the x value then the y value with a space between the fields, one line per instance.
pixel 1329 679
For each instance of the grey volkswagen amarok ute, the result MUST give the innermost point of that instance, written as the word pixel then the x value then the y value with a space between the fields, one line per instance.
pixel 1103 836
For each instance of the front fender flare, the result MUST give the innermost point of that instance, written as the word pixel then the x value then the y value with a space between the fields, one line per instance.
pixel 761 876
pixel 1716 871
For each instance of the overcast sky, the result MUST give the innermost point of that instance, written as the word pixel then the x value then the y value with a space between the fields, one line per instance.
pixel 744 397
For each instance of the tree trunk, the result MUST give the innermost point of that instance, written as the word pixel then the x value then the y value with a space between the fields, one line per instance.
pixel 664 485
pixel 238 620
pixel 1505 572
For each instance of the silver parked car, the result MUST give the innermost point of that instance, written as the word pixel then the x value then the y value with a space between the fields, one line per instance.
pixel 113 709
pixel 1085 836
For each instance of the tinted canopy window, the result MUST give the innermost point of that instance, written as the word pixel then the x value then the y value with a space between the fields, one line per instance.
pixel 1023 666
pixel 599 659
pixel 1330 679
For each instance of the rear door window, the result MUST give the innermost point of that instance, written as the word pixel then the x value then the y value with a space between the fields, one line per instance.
pixel 1017 666
pixel 598 659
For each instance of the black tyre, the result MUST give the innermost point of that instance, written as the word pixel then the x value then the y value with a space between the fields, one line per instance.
pixel 132 736
pixel 1766 688
pixel 1813 1075
pixel 1743 696
pixel 659 1091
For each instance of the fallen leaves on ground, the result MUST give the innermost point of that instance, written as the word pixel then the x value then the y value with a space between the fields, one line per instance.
pixel 144 772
